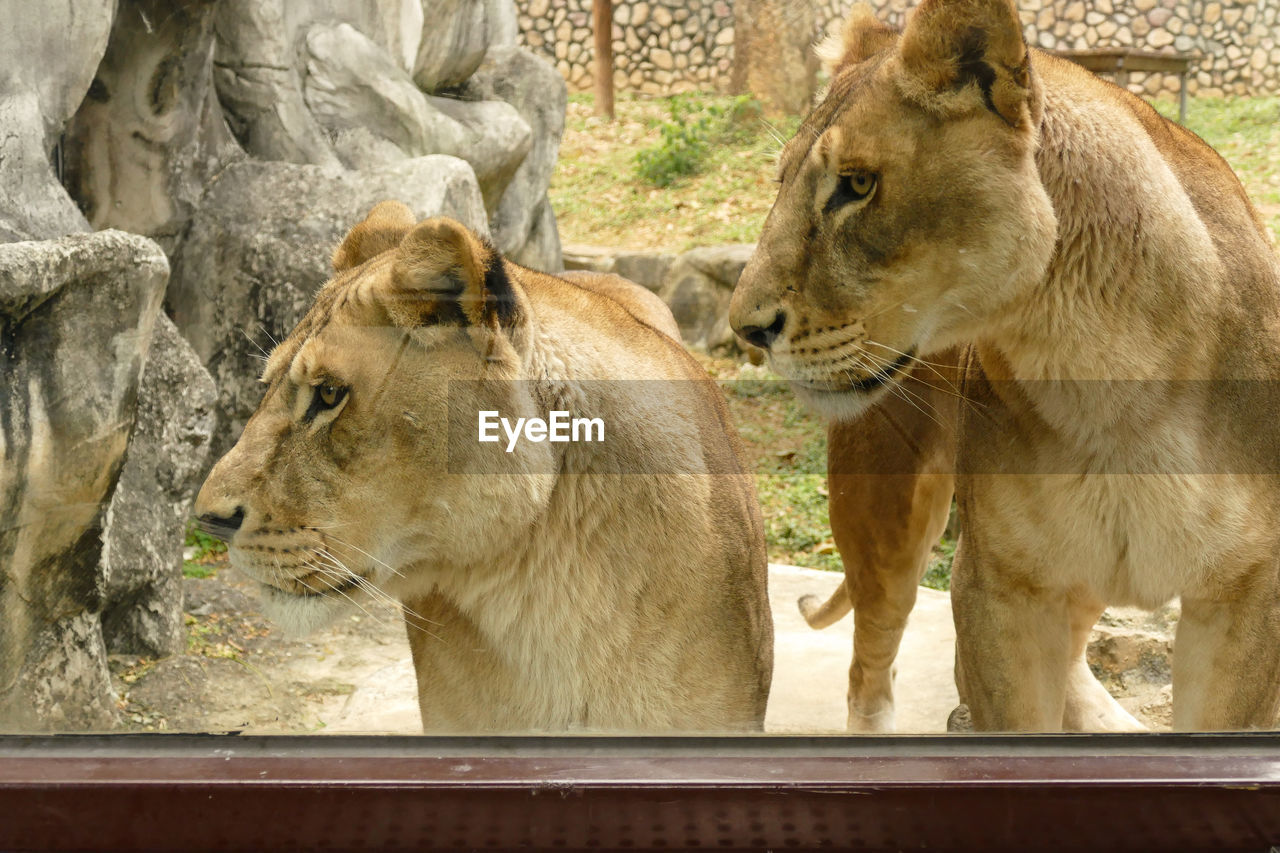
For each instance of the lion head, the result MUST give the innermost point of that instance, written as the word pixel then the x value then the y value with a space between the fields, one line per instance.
pixel 344 483
pixel 910 216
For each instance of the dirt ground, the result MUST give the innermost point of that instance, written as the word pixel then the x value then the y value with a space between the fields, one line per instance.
pixel 240 673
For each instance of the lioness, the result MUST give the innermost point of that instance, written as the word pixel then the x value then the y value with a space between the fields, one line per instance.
pixel 604 585
pixel 1118 437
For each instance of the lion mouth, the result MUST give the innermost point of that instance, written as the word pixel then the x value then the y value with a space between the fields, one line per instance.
pixel 866 384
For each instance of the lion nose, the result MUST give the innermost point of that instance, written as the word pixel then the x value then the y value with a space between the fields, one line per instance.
pixel 762 336
pixel 222 526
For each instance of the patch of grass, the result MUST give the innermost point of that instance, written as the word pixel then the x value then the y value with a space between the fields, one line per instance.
pixel 938 575
pixel 209 552
pixel 687 138
pixel 209 638
pixel 199 571
pixel 600 200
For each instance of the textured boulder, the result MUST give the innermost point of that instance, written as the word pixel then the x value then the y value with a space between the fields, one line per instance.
pixel 76 317
pixel 647 269
pixel 355 90
pixel 260 245
pixel 48 62
pixel 697 289
pixel 150 133
pixel 453 42
pixel 143 551
pixel 523 223
pixel 256 76
pixel 504 24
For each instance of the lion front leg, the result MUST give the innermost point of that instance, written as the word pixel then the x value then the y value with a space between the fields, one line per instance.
pixel 891 481
pixel 1013 645
pixel 1226 659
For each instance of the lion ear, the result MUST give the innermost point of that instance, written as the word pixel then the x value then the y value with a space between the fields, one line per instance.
pixel 446 274
pixel 861 37
pixel 381 230
pixel 959 51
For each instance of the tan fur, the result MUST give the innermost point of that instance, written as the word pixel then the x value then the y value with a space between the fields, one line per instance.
pixel 1122 301
pixel 615 586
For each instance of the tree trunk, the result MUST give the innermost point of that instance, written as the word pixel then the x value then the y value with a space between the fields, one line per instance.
pixel 773 53
pixel 602 20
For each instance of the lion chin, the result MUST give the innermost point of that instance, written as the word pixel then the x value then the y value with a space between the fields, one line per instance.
pixel 299 615
pixel 839 404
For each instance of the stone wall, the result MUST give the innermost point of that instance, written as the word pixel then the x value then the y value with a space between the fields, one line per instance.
pixel 665 46
pixel 659 46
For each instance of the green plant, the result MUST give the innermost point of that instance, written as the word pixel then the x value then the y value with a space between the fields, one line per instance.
pixel 207 549
pixel 686 138
pixel 682 147
pixel 938 575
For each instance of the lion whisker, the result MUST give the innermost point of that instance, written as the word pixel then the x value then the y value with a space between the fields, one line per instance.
pixel 346 544
pixel 330 573
pixel 372 589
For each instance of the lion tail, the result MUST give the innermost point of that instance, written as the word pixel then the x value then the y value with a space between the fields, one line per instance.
pixel 828 612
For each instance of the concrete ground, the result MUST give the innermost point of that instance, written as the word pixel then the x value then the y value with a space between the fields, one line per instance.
pixel 810 672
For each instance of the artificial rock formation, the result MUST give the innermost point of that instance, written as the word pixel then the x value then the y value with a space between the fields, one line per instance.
pixel 149 134
pixel 76 318
pixel 697 289
pixel 41 84
pixel 333 82
pixel 142 558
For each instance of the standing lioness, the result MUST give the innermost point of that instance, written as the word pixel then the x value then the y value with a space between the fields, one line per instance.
pixel 1119 432
pixel 614 581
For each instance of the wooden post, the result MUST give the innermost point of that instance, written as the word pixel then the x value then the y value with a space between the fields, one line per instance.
pixel 602 20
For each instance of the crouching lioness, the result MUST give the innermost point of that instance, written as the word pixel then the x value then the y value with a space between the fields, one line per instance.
pixel 612 581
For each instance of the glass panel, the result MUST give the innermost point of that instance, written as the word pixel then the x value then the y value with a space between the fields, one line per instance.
pixel 1004 322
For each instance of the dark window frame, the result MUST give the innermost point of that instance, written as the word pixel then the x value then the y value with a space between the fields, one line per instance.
pixel 1065 792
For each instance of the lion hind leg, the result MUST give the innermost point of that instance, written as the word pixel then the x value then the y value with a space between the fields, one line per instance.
pixel 827 613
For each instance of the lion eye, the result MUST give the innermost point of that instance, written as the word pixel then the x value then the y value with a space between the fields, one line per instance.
pixel 852 187
pixel 330 395
pixel 324 398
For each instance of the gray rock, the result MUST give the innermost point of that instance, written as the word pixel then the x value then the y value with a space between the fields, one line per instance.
pixel 33 205
pixel 142 556
pixel 394 25
pixel 260 245
pixel 647 269
pixel 534 87
pixel 490 135
pixel 697 289
pixel 258 83
pixel 541 248
pixel 46 65
pixel 76 317
pixel 504 24
pixel 353 88
pixel 593 258
pixel 52 51
pixel 454 41
pixel 351 82
pixel 150 134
